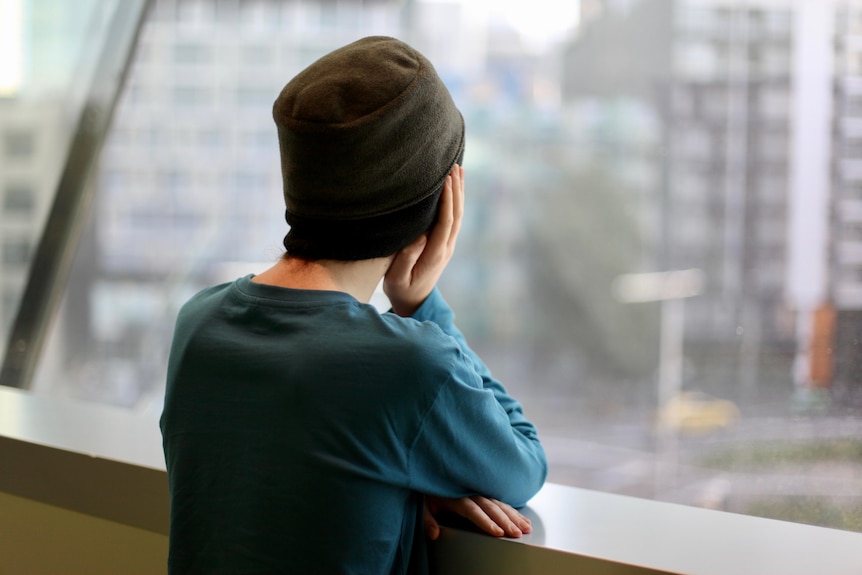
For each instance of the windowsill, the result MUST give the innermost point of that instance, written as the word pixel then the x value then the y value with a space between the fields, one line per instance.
pixel 107 462
pixel 600 532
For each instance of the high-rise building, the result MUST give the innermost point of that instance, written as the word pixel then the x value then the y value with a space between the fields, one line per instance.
pixel 756 102
pixel 188 190
pixel 846 203
pixel 727 119
pixel 47 58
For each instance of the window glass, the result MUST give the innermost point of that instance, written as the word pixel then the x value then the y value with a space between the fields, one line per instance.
pixel 605 144
pixel 18 144
pixel 19 199
pixel 16 252
pixel 48 51
pixel 192 53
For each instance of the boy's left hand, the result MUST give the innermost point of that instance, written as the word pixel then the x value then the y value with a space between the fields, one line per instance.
pixel 415 270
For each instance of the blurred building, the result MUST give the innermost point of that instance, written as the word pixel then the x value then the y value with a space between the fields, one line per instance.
pixel 27 148
pixel 44 39
pixel 728 124
pixel 674 116
pixel 189 186
pixel 846 204
pixel 720 85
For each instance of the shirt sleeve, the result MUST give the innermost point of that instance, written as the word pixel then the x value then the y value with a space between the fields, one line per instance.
pixel 475 439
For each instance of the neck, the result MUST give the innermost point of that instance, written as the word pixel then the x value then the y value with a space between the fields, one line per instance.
pixel 359 278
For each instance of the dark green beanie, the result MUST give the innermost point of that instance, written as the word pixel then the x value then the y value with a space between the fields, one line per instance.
pixel 368 134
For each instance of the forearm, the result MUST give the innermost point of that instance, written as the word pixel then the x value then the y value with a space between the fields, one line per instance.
pixel 527 448
pixel 468 445
pixel 435 309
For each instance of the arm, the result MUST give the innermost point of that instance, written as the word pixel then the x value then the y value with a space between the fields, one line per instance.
pixel 410 283
pixel 475 438
pixel 435 309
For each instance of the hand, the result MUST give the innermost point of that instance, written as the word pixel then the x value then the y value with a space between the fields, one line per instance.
pixel 491 516
pixel 415 270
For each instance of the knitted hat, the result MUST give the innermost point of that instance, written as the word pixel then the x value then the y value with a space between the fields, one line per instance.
pixel 368 134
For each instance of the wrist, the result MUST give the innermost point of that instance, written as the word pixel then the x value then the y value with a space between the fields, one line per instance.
pixel 404 309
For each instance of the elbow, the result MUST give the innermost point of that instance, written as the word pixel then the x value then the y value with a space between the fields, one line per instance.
pixel 534 474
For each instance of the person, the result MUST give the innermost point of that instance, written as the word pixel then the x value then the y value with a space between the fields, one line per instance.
pixel 305 431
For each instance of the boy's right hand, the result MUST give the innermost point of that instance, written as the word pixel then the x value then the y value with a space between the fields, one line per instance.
pixel 490 515
pixel 415 270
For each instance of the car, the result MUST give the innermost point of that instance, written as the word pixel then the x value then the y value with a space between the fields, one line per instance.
pixel 698 412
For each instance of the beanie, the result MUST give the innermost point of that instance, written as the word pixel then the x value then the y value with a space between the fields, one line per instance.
pixel 367 135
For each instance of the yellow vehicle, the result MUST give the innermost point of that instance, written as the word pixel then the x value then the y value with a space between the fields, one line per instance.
pixel 698 412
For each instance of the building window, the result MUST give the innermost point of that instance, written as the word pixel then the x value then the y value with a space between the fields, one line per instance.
pixel 259 141
pixel 194 11
pixel 19 199
pixel 211 138
pixel 774 104
pixel 254 97
pixel 257 55
pixel 17 252
pixel 192 96
pixel 19 144
pixel 188 53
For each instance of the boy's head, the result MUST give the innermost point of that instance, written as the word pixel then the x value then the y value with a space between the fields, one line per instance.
pixel 368 134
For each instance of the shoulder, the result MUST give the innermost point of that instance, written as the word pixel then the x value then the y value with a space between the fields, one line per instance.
pixel 426 346
pixel 414 332
pixel 203 299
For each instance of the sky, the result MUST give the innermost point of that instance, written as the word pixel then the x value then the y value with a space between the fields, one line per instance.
pixel 539 22
pixel 10 47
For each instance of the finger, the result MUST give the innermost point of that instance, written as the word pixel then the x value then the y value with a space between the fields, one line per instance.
pixel 494 510
pixel 401 270
pixel 469 509
pixel 438 240
pixel 457 205
pixel 432 528
pixel 515 516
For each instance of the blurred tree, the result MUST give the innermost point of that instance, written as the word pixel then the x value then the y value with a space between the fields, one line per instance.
pixel 583 237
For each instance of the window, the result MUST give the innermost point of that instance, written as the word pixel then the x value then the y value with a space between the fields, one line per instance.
pixel 772 188
pixel 16 251
pixel 19 200
pixel 776 23
pixel 775 62
pixel 567 190
pixel 694 143
pixel 259 55
pixel 194 54
pixel 194 11
pixel 774 103
pixel 699 60
pixel 772 146
pixel 254 97
pixel 19 144
pixel 260 141
pixel 175 181
pixel 192 96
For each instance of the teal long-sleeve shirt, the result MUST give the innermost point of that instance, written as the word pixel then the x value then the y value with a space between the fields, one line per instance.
pixel 302 427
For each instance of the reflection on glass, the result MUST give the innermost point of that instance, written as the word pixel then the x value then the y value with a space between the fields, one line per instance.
pixel 634 137
pixel 48 50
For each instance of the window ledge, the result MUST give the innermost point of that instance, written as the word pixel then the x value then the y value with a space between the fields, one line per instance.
pixel 107 462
